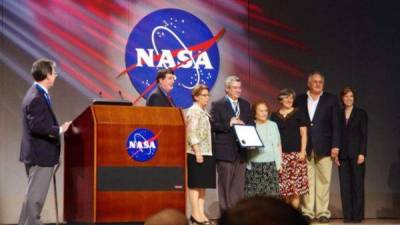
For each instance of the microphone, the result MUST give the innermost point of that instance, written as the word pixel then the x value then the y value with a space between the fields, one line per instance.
pixel 100 94
pixel 120 95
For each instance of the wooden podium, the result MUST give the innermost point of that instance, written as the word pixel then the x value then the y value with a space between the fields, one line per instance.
pixel 103 183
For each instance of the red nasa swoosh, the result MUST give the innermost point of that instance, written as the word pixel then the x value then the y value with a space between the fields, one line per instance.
pixel 155 137
pixel 202 47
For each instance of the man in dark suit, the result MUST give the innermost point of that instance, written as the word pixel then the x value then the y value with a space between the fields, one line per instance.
pixel 226 112
pixel 323 144
pixel 161 95
pixel 40 145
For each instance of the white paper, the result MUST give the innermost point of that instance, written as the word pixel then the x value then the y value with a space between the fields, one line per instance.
pixel 247 136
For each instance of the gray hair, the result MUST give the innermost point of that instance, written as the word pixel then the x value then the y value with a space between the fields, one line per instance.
pixel 229 80
pixel 315 73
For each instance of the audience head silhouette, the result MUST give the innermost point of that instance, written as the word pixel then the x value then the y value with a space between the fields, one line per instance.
pixel 167 217
pixel 262 211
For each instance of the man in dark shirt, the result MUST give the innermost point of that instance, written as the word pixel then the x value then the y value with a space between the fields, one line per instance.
pixel 161 95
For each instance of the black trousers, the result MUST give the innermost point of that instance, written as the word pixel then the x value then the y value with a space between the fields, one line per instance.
pixel 351 178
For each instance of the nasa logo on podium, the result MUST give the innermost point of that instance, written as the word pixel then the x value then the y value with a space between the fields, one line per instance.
pixel 173 38
pixel 142 144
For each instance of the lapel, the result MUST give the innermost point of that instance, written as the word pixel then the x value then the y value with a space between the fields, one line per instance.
pixel 41 94
pixel 228 107
pixel 352 116
pixel 305 104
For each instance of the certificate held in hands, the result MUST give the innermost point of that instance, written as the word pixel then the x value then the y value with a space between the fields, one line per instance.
pixel 247 136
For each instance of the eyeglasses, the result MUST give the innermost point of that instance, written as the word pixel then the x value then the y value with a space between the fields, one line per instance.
pixel 205 95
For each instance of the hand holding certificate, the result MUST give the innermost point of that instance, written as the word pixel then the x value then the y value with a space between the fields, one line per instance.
pixel 247 136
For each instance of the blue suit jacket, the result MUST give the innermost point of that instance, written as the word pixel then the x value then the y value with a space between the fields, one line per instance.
pixel 40 143
pixel 324 130
pixel 225 146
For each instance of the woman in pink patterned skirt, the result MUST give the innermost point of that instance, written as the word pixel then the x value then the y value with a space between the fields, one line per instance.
pixel 292 126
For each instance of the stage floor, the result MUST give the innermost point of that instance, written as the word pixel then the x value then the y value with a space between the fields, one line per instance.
pixel 366 221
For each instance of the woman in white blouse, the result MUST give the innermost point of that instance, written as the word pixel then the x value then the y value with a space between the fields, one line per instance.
pixel 200 160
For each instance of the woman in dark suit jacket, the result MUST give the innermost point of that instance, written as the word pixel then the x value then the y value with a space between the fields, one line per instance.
pixel 354 126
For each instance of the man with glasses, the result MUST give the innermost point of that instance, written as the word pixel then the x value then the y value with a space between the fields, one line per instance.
pixel 231 166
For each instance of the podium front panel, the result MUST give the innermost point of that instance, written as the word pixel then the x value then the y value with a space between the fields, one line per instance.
pixel 127 188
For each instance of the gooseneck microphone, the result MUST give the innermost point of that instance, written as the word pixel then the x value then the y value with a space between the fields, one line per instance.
pixel 120 95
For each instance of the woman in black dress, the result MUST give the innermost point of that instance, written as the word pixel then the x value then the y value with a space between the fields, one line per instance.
pixel 292 126
pixel 354 130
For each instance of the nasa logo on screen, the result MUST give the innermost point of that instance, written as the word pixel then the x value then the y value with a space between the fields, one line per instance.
pixel 142 144
pixel 173 38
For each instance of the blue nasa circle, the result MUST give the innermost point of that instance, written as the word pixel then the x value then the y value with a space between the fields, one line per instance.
pixel 171 29
pixel 138 146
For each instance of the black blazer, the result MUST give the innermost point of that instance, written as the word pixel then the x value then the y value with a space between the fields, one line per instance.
pixel 354 134
pixel 225 146
pixel 40 143
pixel 324 130
pixel 158 98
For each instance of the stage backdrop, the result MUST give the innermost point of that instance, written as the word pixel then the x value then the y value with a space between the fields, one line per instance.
pixel 111 49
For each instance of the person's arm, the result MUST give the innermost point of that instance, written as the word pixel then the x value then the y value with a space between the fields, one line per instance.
pixel 303 136
pixel 364 137
pixel 38 123
pixel 277 147
pixel 152 100
pixel 193 133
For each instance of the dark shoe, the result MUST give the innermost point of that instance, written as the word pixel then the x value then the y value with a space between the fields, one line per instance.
pixel 348 220
pixel 308 219
pixel 194 221
pixel 323 219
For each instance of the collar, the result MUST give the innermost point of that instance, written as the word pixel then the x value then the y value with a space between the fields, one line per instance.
pixel 230 99
pixel 309 96
pixel 163 91
pixel 197 107
pixel 41 87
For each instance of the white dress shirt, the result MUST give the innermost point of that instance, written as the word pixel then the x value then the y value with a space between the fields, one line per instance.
pixel 312 105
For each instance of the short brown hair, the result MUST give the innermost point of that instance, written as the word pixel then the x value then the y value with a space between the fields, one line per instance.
pixel 286 92
pixel 162 73
pixel 256 104
pixel 198 89
pixel 346 90
pixel 42 67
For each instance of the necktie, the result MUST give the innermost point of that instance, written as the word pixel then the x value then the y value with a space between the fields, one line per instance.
pixel 47 96
pixel 236 108
pixel 171 102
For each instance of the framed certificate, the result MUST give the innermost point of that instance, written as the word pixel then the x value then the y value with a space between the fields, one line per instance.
pixel 247 136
